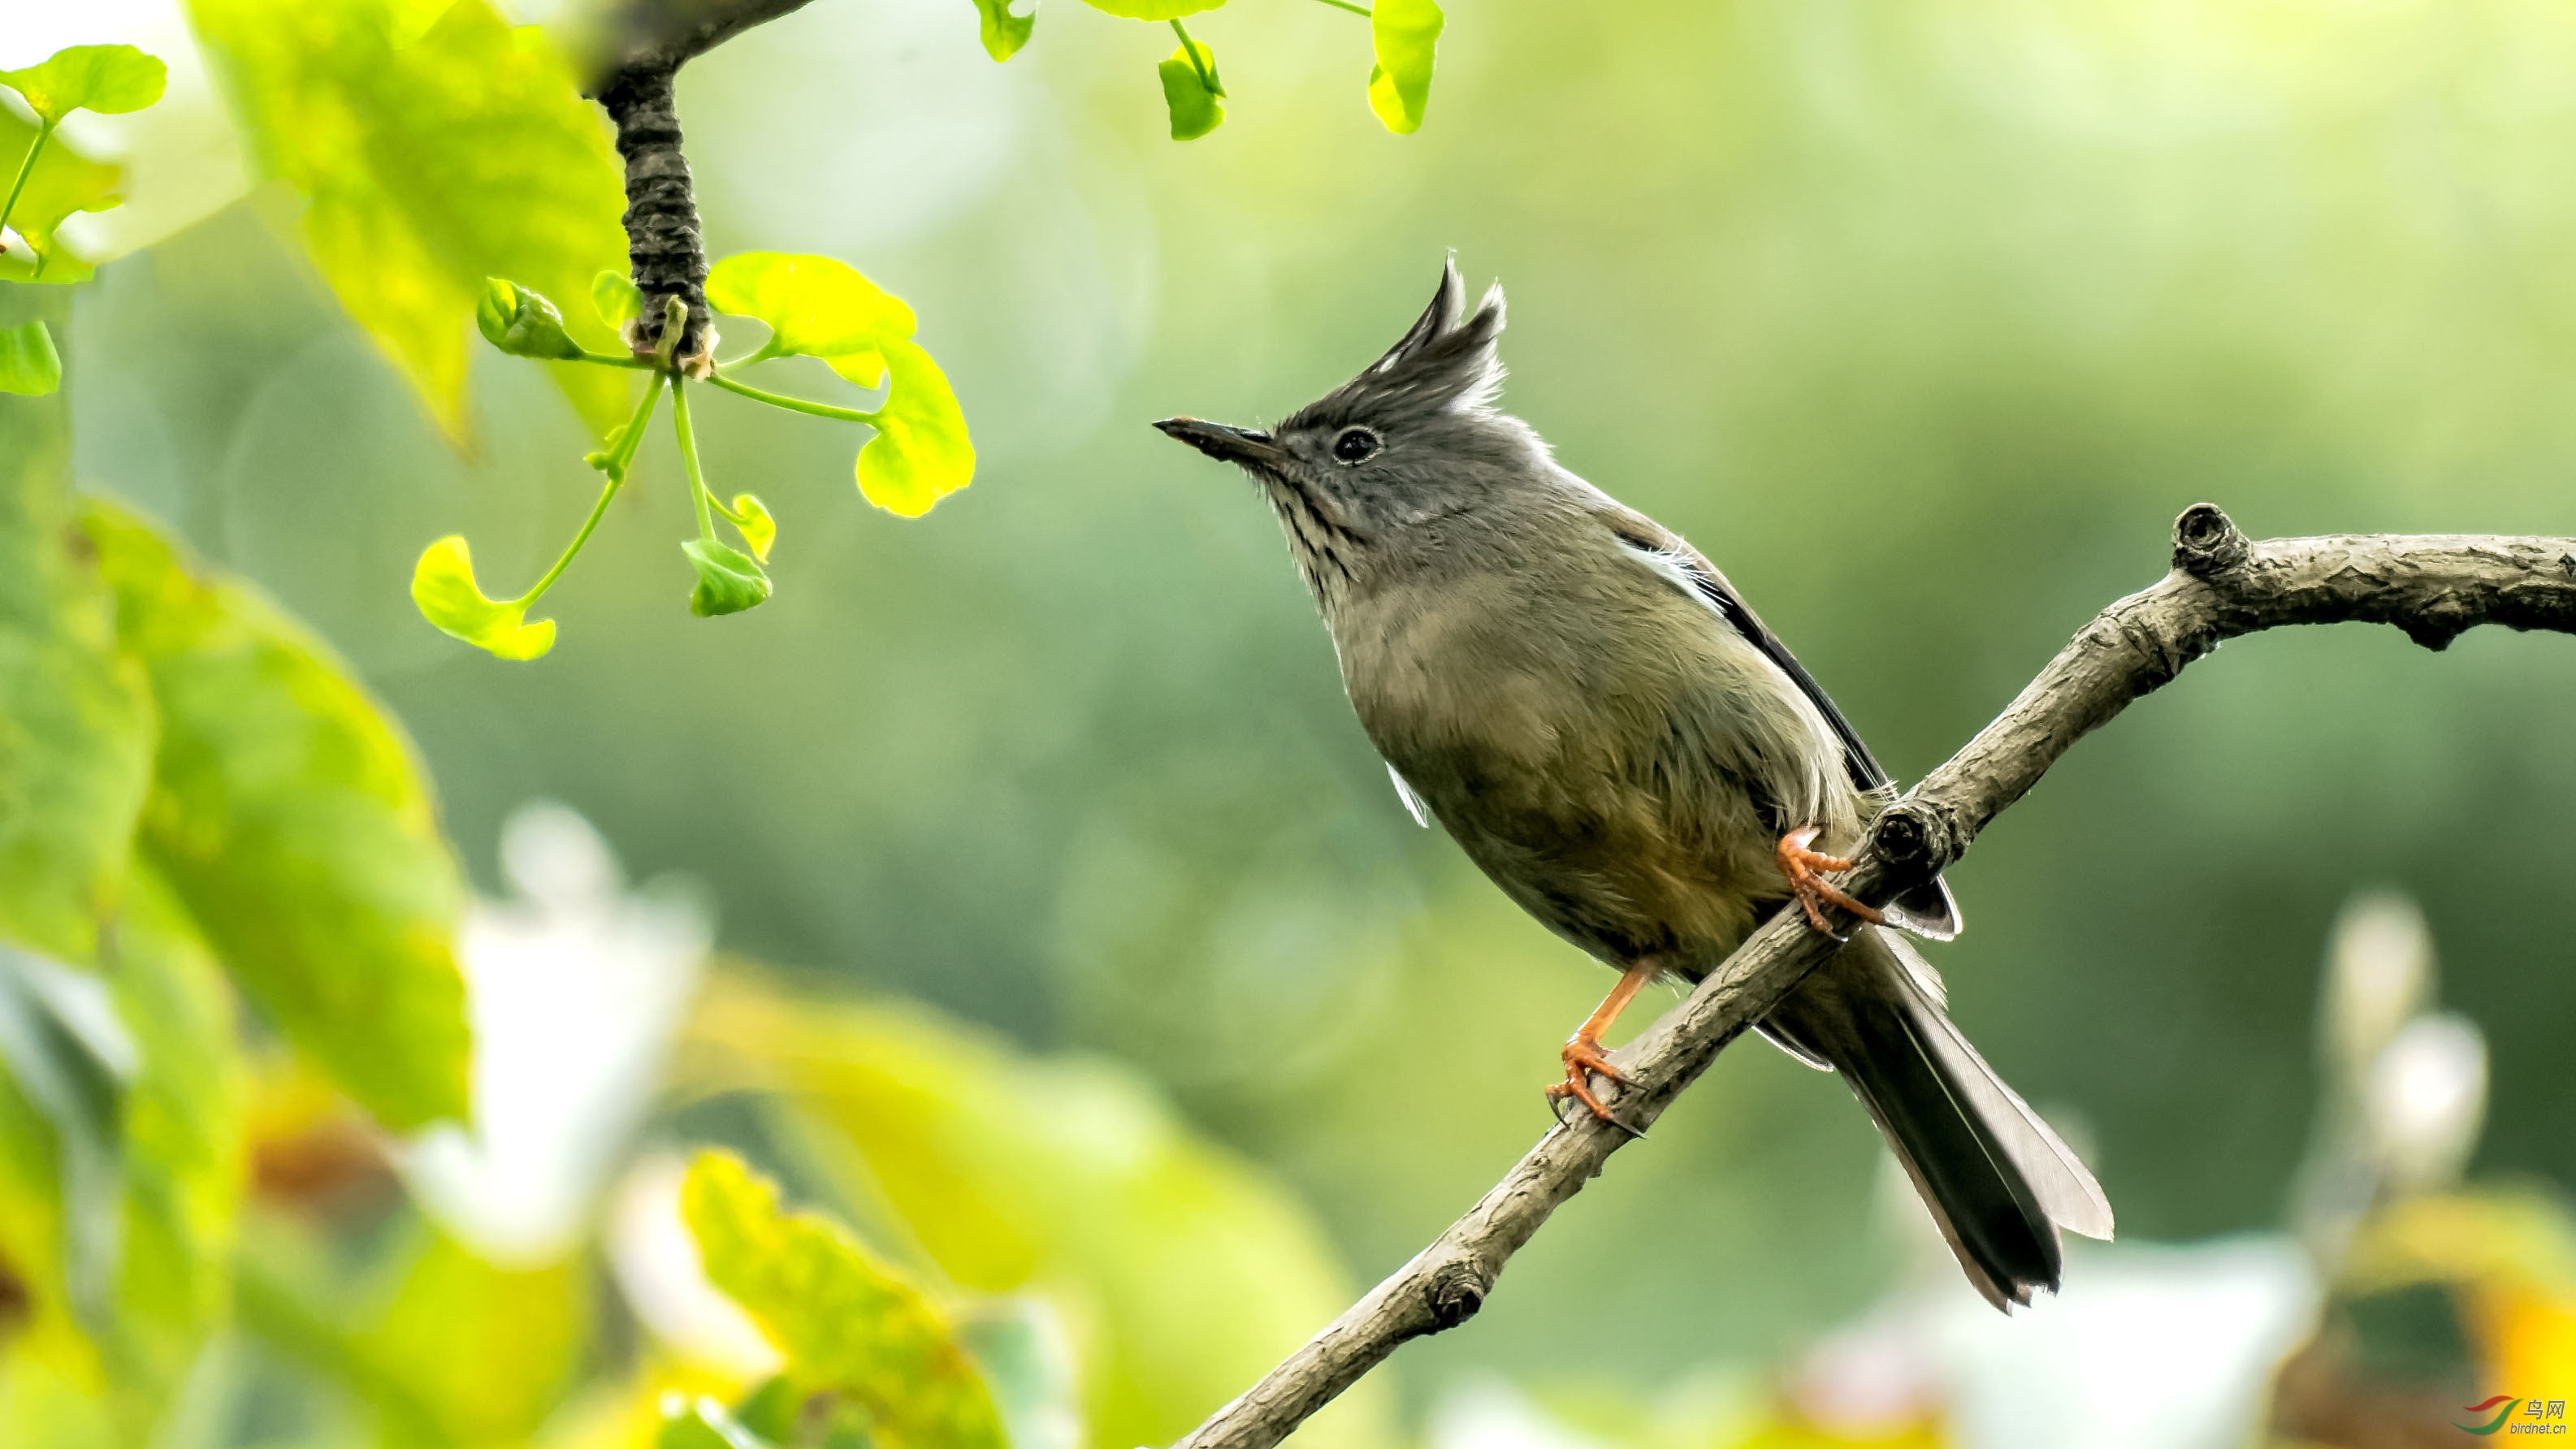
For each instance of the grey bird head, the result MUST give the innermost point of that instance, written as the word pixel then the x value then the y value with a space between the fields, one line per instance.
pixel 1413 439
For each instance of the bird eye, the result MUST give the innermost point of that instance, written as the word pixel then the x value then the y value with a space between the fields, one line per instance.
pixel 1355 445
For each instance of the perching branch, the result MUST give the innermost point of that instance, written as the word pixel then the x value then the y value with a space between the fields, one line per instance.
pixel 2434 588
pixel 638 48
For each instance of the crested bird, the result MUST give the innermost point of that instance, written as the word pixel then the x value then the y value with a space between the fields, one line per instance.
pixel 1610 732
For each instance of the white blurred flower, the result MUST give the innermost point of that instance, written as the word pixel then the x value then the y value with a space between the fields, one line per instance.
pixel 574 990
pixel 656 1263
pixel 1486 1412
pixel 2147 1347
pixel 2379 973
pixel 2427 1101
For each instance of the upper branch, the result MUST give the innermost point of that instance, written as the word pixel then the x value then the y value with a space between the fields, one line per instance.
pixel 645 35
pixel 663 249
pixel 636 48
pixel 2221 586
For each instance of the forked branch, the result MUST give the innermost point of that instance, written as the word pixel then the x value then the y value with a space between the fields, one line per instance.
pixel 2222 585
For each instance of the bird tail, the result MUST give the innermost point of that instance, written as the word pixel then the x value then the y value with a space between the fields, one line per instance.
pixel 1998 1182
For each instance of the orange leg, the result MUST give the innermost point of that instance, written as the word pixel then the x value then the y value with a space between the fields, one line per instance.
pixel 1583 1054
pixel 1801 865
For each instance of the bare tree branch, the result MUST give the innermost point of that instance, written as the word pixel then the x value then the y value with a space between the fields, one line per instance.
pixel 2434 588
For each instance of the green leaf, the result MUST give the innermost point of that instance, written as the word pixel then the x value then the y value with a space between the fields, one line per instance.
pixel 1403 33
pixel 523 323
pixel 75 714
pixel 429 164
pixel 118 1212
pixel 844 1321
pixel 1155 10
pixel 63 182
pixel 108 79
pixel 289 816
pixel 815 306
pixel 1194 99
pixel 1004 32
pixel 616 298
pixel 757 528
pixel 69 1057
pixel 443 589
pixel 29 366
pixel 921 453
pixel 489 1350
pixel 729 581
pixel 183 1128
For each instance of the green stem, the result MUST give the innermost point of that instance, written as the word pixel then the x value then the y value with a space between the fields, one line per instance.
pixel 1345 5
pixel 762 353
pixel 611 359
pixel 44 130
pixel 1190 48
pixel 616 475
pixel 793 404
pixel 689 459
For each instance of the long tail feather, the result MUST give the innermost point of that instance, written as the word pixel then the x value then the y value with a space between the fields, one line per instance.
pixel 1998 1182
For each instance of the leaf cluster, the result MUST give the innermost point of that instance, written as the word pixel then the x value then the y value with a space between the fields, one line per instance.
pixel 1402 37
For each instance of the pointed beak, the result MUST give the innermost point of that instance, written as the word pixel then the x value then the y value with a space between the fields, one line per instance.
pixel 1246 446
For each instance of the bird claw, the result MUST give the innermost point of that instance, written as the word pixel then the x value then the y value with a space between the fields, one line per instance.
pixel 1804 867
pixel 1583 1058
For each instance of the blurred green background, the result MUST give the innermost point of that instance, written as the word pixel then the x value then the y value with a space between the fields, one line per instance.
pixel 1922 321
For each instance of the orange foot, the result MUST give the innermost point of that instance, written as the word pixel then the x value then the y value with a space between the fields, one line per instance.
pixel 1583 1056
pixel 1802 866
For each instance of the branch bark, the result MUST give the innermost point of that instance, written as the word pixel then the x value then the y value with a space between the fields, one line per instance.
pixel 636 50
pixel 2221 586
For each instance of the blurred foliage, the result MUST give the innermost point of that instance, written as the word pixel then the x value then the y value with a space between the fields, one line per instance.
pixel 292 819
pixel 848 1327
pixel 429 159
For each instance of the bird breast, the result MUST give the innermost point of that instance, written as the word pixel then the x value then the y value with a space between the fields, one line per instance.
pixel 1615 756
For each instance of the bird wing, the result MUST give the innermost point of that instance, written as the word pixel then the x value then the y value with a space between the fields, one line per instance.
pixel 1928 909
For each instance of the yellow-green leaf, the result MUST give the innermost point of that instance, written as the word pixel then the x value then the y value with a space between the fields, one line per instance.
pixel 921 453
pixel 815 306
pixel 290 818
pixel 1403 33
pixel 1004 32
pixel 63 182
pixel 1154 10
pixel 430 163
pixel 1192 91
pixel 75 715
pixel 616 298
pixel 523 322
pixel 443 589
pixel 108 79
pixel 758 529
pixel 29 366
pixel 844 1321
pixel 488 1349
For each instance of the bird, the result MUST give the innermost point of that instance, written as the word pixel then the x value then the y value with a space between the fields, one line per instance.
pixel 1607 729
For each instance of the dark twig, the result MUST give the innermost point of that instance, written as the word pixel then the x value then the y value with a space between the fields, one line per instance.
pixel 636 49
pixel 2434 588
pixel 662 245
